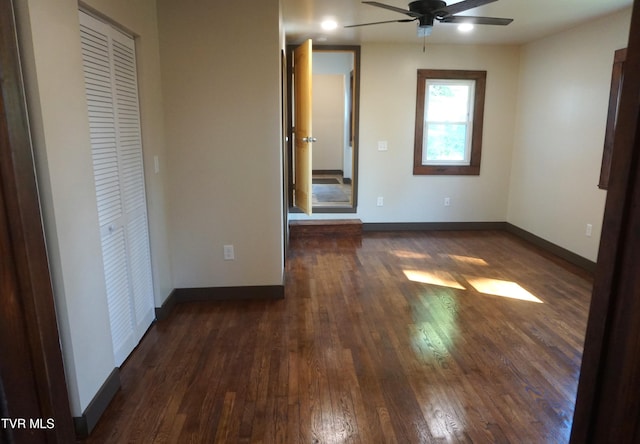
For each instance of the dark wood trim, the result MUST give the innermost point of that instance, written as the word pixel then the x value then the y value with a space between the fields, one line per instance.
pixel 288 179
pixel 229 293
pixel 283 148
pixel 92 414
pixel 473 169
pixel 325 228
pixel 25 251
pixel 356 129
pixel 552 248
pixel 432 226
pixel 179 295
pixel 164 311
pixel 327 172
pixel 617 75
pixel 327 210
pixel 608 399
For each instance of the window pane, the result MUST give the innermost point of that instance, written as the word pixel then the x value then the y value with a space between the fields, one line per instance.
pixel 447 103
pixel 445 141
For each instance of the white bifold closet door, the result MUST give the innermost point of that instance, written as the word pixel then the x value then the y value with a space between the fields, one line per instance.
pixel 109 63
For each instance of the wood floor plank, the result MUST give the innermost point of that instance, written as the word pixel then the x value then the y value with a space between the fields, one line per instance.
pixel 381 339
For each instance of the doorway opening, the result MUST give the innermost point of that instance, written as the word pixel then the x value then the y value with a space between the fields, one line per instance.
pixel 335 100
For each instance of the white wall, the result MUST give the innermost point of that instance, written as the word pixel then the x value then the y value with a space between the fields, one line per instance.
pixel 387 112
pixel 328 111
pixel 338 62
pixel 221 86
pixel 50 48
pixel 562 110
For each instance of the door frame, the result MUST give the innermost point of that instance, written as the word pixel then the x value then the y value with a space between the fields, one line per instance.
pixel 608 399
pixel 355 49
pixel 34 309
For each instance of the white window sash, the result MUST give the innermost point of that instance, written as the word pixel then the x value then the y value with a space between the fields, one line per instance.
pixel 468 123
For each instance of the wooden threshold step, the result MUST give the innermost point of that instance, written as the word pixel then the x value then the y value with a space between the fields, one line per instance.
pixel 323 228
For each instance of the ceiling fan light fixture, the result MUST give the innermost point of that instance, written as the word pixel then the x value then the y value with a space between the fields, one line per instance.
pixel 465 27
pixel 424 31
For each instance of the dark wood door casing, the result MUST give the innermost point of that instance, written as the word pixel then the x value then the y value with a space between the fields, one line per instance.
pixel 31 368
pixel 608 400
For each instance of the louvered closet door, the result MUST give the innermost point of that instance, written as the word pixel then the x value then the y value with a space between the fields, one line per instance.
pixel 116 146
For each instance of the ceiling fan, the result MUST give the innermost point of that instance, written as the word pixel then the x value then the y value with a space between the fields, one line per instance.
pixel 426 11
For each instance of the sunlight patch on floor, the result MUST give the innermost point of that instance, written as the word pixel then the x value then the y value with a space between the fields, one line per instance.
pixel 469 260
pixel 506 289
pixel 441 278
pixel 409 254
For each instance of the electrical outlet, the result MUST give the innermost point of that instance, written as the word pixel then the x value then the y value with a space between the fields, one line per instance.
pixel 447 201
pixel 229 253
pixel 382 145
pixel 380 201
pixel 589 230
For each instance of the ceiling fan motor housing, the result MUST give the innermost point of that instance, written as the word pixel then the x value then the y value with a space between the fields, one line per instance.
pixel 427 9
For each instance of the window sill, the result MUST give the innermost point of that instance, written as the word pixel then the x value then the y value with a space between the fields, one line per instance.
pixel 453 170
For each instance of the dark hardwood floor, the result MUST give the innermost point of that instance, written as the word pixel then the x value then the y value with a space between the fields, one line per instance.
pixel 358 352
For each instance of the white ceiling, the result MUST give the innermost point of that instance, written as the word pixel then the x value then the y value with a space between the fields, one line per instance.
pixel 533 19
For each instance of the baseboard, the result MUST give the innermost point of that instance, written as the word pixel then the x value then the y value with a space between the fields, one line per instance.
pixel 229 293
pixel 163 312
pixel 552 248
pixel 85 423
pixel 433 226
pixel 327 172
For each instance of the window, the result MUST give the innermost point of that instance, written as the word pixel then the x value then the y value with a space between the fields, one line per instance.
pixel 449 114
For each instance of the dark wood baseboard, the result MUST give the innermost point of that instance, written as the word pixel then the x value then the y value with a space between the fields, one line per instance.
pixel 328 172
pixel 552 248
pixel 163 312
pixel 324 228
pixel 228 293
pixel 433 226
pixel 179 295
pixel 85 423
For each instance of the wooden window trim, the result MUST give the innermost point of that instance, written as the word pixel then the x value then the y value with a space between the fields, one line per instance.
pixel 473 169
pixel 617 75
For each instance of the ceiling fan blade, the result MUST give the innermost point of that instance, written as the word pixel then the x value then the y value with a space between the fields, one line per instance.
pixel 393 8
pixel 386 21
pixel 476 20
pixel 461 6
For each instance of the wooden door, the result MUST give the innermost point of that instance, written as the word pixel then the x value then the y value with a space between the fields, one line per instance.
pixel 303 138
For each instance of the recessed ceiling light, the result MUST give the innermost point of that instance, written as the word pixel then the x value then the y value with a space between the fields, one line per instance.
pixel 465 27
pixel 329 25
